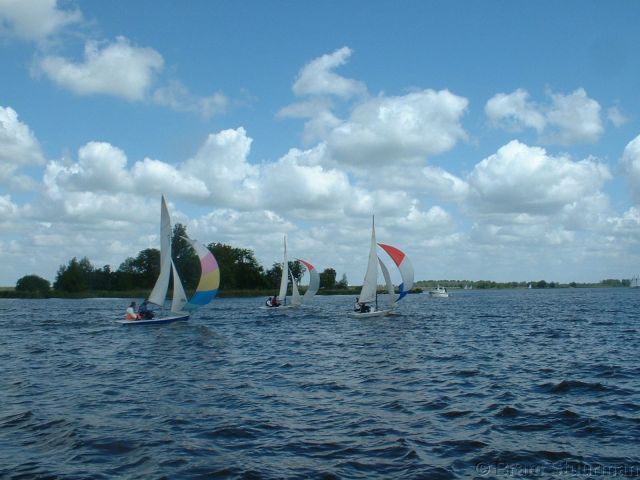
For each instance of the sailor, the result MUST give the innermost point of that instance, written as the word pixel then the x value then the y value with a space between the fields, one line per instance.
pixel 144 311
pixel 131 312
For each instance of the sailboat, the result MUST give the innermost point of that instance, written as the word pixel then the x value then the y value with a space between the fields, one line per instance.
pixel 207 286
pixel 296 298
pixel 635 283
pixel 369 294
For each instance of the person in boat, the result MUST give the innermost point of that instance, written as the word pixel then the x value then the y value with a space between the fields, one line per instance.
pixel 275 302
pixel 361 307
pixel 144 312
pixel 131 313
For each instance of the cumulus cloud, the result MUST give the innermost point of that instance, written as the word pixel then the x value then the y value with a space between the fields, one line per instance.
pixel 399 130
pixel 523 179
pixel 18 148
pixel 565 120
pixel 318 77
pixel 631 165
pixel 35 20
pixel 18 144
pixel 118 69
pixel 514 111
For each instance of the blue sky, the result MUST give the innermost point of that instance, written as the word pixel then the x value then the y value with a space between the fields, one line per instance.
pixel 493 140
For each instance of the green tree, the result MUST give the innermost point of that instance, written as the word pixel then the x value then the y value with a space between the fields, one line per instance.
pixel 239 268
pixel 343 283
pixel 74 277
pixel 33 284
pixel 328 278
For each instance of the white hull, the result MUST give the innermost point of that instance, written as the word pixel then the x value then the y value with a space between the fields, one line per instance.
pixel 375 313
pixel 438 295
pixel 176 318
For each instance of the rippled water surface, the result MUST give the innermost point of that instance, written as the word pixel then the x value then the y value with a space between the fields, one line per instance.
pixel 482 384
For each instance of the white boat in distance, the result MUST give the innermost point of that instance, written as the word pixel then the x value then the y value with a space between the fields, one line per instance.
pixel 635 283
pixel 439 292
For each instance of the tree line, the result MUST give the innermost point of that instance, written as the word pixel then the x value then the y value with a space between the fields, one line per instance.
pixel 239 271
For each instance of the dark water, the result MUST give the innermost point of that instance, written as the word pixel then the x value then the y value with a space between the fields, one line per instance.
pixel 506 384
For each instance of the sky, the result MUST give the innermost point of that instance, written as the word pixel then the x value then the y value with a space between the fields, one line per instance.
pixel 494 140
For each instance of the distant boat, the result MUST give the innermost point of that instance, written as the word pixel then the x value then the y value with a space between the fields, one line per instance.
pixel 635 282
pixel 296 298
pixel 439 292
pixel 369 292
pixel 207 286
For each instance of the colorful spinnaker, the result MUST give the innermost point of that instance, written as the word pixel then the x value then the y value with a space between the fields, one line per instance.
pixel 405 267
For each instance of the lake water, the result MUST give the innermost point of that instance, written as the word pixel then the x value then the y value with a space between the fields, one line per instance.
pixel 486 384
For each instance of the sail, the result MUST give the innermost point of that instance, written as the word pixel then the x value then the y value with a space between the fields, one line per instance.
pixel 209 277
pixel 282 294
pixel 179 298
pixel 296 299
pixel 387 280
pixel 159 292
pixel 370 283
pixel 405 267
pixel 314 281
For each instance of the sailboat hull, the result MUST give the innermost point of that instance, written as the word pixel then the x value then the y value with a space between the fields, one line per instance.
pixel 376 313
pixel 154 321
pixel 281 307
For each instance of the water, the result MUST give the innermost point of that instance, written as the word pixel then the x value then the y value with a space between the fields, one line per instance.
pixel 504 384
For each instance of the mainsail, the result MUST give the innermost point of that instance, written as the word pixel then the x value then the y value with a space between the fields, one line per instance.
pixel 370 283
pixel 159 292
pixel 282 294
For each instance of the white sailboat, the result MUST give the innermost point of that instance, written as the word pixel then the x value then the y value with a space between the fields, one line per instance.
pixel 635 283
pixel 207 287
pixel 367 301
pixel 296 299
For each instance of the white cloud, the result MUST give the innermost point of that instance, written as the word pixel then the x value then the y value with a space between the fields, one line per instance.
pixel 615 116
pixel 35 19
pixel 117 69
pixel 399 130
pixel 318 78
pixel 574 118
pixel 524 179
pixel 631 164
pixel 515 110
pixel 176 96
pixel 18 148
pixel 567 120
pixel 18 145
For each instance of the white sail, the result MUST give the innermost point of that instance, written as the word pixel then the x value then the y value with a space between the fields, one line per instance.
pixel 159 292
pixel 370 283
pixel 296 299
pixel 179 297
pixel 282 294
pixel 387 279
